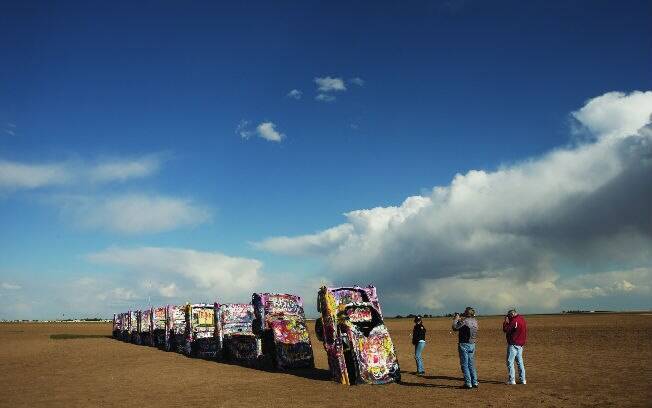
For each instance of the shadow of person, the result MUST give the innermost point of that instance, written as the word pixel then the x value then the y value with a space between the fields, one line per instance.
pixel 444 377
pixel 427 385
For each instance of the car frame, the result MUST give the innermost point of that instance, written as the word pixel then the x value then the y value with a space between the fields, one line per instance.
pixel 201 338
pixel 281 325
pixel 356 340
pixel 144 327
pixel 117 325
pixel 159 333
pixel 175 327
pixel 237 340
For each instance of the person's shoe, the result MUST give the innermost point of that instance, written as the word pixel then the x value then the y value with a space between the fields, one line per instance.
pixel 510 382
pixel 476 385
pixel 523 382
pixel 467 387
pixel 421 373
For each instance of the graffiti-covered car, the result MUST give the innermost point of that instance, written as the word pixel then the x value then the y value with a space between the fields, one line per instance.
pixel 175 339
pixel 117 325
pixel 235 332
pixel 144 327
pixel 281 325
pixel 124 326
pixel 159 333
pixel 134 317
pixel 356 340
pixel 201 330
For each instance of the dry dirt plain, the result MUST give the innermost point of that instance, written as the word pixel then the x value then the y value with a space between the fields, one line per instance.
pixel 572 360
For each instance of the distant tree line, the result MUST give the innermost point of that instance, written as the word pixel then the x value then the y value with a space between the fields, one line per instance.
pixel 425 316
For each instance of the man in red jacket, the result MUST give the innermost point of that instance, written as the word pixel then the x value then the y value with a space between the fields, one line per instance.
pixel 515 330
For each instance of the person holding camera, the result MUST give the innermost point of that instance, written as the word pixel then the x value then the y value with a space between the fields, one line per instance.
pixel 467 327
pixel 515 329
pixel 419 342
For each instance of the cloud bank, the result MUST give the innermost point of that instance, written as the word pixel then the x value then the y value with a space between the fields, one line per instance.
pixel 532 234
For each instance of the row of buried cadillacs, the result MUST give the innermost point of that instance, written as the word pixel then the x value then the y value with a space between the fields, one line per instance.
pixel 271 332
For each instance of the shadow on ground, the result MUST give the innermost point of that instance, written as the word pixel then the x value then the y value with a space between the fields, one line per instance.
pixel 439 377
pixel 67 336
pixel 317 374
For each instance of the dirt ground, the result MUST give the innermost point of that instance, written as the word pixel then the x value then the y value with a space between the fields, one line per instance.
pixel 571 360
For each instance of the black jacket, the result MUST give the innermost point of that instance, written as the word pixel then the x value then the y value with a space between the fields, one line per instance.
pixel 418 333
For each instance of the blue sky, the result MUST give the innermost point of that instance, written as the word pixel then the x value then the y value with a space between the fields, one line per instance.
pixel 121 145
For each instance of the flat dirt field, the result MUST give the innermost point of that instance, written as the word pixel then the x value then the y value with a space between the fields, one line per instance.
pixel 571 360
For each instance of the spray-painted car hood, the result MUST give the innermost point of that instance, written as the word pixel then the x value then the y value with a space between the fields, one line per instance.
pixel 375 354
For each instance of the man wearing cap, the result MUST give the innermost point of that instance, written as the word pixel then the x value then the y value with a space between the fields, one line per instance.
pixel 515 329
pixel 467 326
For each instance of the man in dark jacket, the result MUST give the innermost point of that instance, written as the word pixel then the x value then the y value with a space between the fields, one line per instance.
pixel 467 326
pixel 419 342
pixel 515 329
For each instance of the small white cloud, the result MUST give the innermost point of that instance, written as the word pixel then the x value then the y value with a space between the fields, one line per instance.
pixel 15 175
pixel 325 98
pixel 328 84
pixel 133 213
pixel 243 129
pixel 124 169
pixel 295 94
pixel 10 286
pixel 29 176
pixel 357 81
pixel 267 131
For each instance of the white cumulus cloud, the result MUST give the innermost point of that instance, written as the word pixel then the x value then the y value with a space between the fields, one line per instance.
pixel 586 207
pixel 616 114
pixel 267 130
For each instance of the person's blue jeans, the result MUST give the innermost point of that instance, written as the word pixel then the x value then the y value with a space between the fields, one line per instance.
pixel 467 363
pixel 418 349
pixel 515 353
